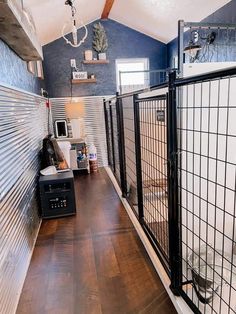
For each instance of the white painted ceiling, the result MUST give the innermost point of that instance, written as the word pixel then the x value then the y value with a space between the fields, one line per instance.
pixel 156 18
pixel 159 18
pixel 50 15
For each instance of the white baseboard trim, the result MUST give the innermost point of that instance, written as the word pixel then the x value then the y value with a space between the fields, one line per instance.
pixel 178 302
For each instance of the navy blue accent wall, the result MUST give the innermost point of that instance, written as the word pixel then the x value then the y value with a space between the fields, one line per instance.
pixel 13 71
pixel 123 42
pixel 226 14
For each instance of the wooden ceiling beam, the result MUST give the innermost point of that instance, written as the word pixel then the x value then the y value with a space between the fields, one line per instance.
pixel 107 9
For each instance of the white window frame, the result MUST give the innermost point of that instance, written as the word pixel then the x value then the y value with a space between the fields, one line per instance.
pixel 145 61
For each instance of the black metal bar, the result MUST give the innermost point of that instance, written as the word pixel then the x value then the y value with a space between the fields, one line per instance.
pixel 157 248
pixel 107 132
pixel 112 98
pixel 206 77
pixel 189 302
pixel 120 130
pixel 140 91
pixel 158 97
pixel 112 138
pixel 159 86
pixel 173 210
pixel 138 156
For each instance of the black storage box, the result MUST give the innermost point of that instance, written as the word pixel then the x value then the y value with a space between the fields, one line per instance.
pixel 57 195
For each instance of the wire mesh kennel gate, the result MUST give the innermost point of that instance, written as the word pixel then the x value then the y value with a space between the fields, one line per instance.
pixel 139 138
pixel 185 137
pixel 206 172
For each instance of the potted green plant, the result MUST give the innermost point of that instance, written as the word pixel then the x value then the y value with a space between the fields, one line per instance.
pixel 100 43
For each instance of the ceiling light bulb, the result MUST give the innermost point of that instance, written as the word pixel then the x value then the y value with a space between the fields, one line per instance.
pixel 74 35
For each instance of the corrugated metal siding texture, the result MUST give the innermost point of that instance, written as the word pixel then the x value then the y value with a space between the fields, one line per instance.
pixel 23 124
pixel 94 122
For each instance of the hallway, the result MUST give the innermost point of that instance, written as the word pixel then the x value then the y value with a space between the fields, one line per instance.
pixel 93 262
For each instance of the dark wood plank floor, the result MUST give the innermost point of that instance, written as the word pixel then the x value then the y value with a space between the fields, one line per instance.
pixel 93 262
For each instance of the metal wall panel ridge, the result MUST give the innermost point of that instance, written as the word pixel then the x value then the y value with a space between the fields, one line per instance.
pixel 94 121
pixel 23 125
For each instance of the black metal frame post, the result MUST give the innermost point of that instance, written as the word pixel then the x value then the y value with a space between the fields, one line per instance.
pixel 112 138
pixel 174 215
pixel 138 156
pixel 107 131
pixel 120 129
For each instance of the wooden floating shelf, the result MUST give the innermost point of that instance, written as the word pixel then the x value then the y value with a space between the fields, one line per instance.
pixel 96 61
pixel 84 81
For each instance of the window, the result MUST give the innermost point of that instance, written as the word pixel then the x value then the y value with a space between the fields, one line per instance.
pixel 137 78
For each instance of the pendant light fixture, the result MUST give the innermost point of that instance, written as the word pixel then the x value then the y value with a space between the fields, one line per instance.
pixel 192 49
pixel 72 24
pixel 198 43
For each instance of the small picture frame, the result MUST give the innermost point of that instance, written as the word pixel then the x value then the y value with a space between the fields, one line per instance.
pixel 61 128
pixel 80 75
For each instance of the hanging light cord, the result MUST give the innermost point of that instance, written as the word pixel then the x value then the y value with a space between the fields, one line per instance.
pixel 73 8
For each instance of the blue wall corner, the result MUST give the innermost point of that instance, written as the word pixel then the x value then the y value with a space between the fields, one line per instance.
pixel 123 42
pixel 13 71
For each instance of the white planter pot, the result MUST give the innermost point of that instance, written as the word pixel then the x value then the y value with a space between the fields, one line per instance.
pixel 102 56
pixel 88 55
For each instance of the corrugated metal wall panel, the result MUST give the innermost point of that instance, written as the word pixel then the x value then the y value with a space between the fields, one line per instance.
pixel 23 125
pixel 94 121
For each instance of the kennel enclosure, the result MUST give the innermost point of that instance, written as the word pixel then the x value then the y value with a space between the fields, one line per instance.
pixel 176 169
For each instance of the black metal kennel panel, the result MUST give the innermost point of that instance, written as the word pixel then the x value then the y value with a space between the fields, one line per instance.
pixel 206 108
pixel 130 145
pixel 153 141
pixel 109 136
pixel 145 163
pixel 176 165
pixel 113 136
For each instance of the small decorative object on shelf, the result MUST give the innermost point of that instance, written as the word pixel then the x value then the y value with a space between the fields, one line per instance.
pixel 88 55
pixel 79 156
pixel 92 76
pixel 100 43
pixel 80 75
